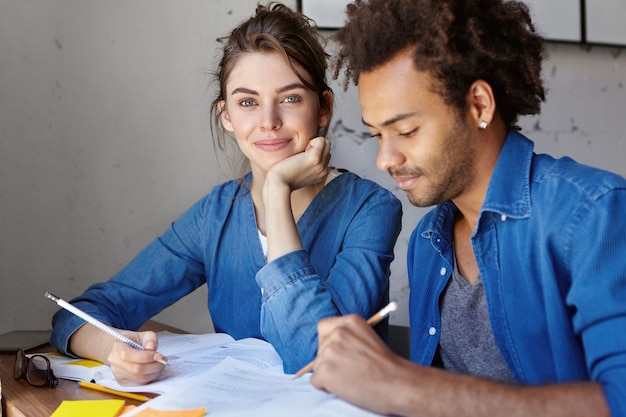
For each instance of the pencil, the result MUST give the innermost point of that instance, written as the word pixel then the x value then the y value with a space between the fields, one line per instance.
pixel 384 312
pixel 100 388
pixel 97 323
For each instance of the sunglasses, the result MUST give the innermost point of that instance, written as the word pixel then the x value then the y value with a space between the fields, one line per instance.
pixel 36 370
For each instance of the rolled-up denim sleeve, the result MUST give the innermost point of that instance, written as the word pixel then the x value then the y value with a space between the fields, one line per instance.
pixel 295 297
pixel 163 272
pixel 598 293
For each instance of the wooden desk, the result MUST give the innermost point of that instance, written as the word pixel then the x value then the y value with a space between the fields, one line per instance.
pixel 20 399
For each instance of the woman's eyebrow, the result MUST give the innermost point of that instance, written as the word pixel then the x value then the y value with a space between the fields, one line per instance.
pixel 291 86
pixel 288 87
pixel 244 90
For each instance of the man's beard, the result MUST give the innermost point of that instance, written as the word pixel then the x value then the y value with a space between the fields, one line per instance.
pixel 453 173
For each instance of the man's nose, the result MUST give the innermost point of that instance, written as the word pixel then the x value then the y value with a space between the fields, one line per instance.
pixel 389 156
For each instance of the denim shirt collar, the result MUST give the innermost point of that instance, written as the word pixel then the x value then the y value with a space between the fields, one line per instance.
pixel 509 189
pixel 508 193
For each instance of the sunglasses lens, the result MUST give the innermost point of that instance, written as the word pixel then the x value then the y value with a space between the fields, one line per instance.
pixel 37 371
pixel 20 364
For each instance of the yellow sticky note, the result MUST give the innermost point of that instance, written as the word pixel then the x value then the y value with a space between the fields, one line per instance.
pixel 91 408
pixel 189 412
pixel 87 363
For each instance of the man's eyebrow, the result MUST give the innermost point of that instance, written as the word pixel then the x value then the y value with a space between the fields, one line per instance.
pixel 292 86
pixel 393 120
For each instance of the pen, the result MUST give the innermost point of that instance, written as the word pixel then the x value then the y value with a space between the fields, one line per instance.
pixel 384 312
pixel 97 323
pixel 100 388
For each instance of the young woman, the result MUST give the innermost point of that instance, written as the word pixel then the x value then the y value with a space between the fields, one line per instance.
pixel 290 242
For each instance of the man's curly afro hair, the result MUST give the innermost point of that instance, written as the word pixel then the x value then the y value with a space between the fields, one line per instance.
pixel 456 41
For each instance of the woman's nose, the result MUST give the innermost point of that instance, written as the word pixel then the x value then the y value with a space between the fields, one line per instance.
pixel 270 118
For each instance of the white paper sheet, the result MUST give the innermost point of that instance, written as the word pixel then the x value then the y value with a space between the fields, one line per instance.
pixel 189 355
pixel 234 388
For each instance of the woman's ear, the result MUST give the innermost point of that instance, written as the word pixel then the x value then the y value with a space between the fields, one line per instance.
pixel 482 103
pixel 224 116
pixel 326 112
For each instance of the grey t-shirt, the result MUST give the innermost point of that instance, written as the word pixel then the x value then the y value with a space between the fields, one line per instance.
pixel 467 344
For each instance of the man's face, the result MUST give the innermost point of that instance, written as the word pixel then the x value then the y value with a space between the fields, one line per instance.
pixel 424 144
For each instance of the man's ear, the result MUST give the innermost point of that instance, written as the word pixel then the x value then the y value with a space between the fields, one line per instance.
pixel 324 114
pixel 224 116
pixel 482 103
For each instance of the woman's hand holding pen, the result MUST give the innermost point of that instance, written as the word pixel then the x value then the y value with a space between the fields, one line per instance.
pixel 130 366
pixel 136 367
pixel 355 364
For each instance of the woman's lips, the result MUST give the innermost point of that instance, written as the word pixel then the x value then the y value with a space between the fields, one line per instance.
pixel 271 145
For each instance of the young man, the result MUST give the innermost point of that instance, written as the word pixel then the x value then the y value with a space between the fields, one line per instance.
pixel 518 278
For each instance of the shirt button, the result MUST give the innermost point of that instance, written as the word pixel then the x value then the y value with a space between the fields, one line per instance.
pixel 503 217
pixel 432 331
pixel 443 271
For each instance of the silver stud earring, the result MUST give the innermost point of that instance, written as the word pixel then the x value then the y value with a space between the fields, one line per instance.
pixel 482 125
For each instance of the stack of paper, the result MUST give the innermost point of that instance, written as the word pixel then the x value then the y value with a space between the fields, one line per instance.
pixel 234 388
pixel 214 375
pixel 187 354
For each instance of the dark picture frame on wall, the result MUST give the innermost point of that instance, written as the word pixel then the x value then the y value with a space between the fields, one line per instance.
pixel 593 22
pixel 327 14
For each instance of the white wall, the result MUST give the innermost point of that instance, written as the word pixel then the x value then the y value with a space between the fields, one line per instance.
pixel 104 138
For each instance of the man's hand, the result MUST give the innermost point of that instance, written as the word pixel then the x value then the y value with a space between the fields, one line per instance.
pixel 354 363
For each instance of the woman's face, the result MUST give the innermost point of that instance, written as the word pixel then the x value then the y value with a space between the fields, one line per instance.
pixel 272 114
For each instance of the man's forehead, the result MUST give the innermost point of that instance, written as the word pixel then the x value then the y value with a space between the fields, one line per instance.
pixel 394 91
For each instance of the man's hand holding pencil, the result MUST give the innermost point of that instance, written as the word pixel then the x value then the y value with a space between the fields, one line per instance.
pixel 350 350
pixel 384 312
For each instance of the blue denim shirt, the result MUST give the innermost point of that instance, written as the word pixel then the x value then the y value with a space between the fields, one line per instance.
pixel 348 232
pixel 551 248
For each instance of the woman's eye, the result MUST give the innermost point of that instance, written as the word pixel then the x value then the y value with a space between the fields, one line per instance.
pixel 291 99
pixel 246 103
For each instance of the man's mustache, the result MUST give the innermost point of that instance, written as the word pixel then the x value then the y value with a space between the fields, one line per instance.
pixel 406 172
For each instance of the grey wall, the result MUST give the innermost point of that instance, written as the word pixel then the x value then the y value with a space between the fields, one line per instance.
pixel 104 138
